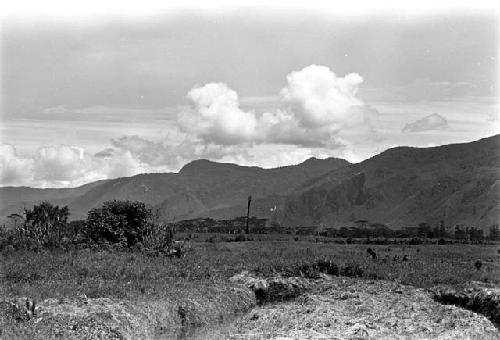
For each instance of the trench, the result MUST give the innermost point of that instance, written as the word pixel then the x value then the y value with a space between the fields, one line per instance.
pixel 481 301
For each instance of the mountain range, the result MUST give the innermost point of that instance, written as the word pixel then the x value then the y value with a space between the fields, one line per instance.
pixel 402 186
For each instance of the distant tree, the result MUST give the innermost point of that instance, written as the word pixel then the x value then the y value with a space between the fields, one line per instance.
pixel 442 229
pixel 494 233
pixel 424 230
pixel 123 222
pixel 436 232
pixel 476 234
pixel 460 234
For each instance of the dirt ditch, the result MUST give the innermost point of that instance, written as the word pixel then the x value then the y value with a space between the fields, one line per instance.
pixel 477 296
pixel 350 308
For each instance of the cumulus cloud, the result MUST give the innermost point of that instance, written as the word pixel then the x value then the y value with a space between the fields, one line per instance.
pixel 65 166
pixel 14 169
pixel 318 97
pixel 431 122
pixel 318 112
pixel 317 106
pixel 60 163
pixel 114 164
pixel 217 116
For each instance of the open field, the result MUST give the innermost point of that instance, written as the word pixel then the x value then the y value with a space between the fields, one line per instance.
pixel 128 275
pixel 200 278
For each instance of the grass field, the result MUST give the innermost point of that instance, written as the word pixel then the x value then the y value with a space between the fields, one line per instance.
pixel 134 275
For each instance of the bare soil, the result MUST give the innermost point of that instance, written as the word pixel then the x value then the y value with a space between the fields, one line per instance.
pixel 345 308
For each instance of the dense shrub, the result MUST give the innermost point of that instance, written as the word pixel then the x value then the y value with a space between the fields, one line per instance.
pixel 119 222
pixel 328 267
pixel 352 270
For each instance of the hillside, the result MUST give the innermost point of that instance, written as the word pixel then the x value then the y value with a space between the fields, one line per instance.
pixel 198 189
pixel 457 183
pixel 403 186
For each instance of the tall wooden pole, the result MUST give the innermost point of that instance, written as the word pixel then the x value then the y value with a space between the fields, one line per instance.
pixel 248 213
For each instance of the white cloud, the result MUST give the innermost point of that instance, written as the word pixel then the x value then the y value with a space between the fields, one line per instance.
pixel 65 166
pixel 116 164
pixel 60 163
pixel 217 116
pixel 318 97
pixel 319 114
pixel 431 122
pixel 14 170
pixel 317 105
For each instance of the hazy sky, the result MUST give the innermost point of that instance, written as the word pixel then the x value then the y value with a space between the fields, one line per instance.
pixel 91 99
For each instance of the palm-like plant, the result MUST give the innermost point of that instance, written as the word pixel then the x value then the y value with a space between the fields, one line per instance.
pixel 45 222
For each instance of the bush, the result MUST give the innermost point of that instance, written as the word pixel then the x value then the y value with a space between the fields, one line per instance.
pixel 352 270
pixel 327 267
pixel 119 222
pixel 42 227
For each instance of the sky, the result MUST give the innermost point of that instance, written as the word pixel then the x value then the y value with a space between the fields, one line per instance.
pixel 105 95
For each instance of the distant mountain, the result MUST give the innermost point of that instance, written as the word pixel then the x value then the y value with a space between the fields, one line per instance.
pixel 200 188
pixel 403 186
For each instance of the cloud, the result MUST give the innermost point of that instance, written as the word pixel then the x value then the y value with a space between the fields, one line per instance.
pixel 217 116
pixel 65 166
pixel 318 97
pixel 316 106
pixel 60 163
pixel 114 164
pixel 14 169
pixel 316 113
pixel 431 122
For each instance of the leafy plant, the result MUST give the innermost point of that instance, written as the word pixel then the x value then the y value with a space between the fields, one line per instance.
pixel 119 222
pixel 43 226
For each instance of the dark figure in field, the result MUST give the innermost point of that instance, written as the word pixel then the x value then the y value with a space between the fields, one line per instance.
pixel 371 253
pixel 405 258
pixel 478 264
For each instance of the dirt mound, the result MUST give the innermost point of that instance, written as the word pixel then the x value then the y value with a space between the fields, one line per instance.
pixel 344 308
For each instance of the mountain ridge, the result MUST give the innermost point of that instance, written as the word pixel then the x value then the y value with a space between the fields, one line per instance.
pixel 401 186
pixel 200 186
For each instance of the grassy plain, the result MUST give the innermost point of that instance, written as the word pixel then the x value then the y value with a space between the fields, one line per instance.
pixel 135 275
